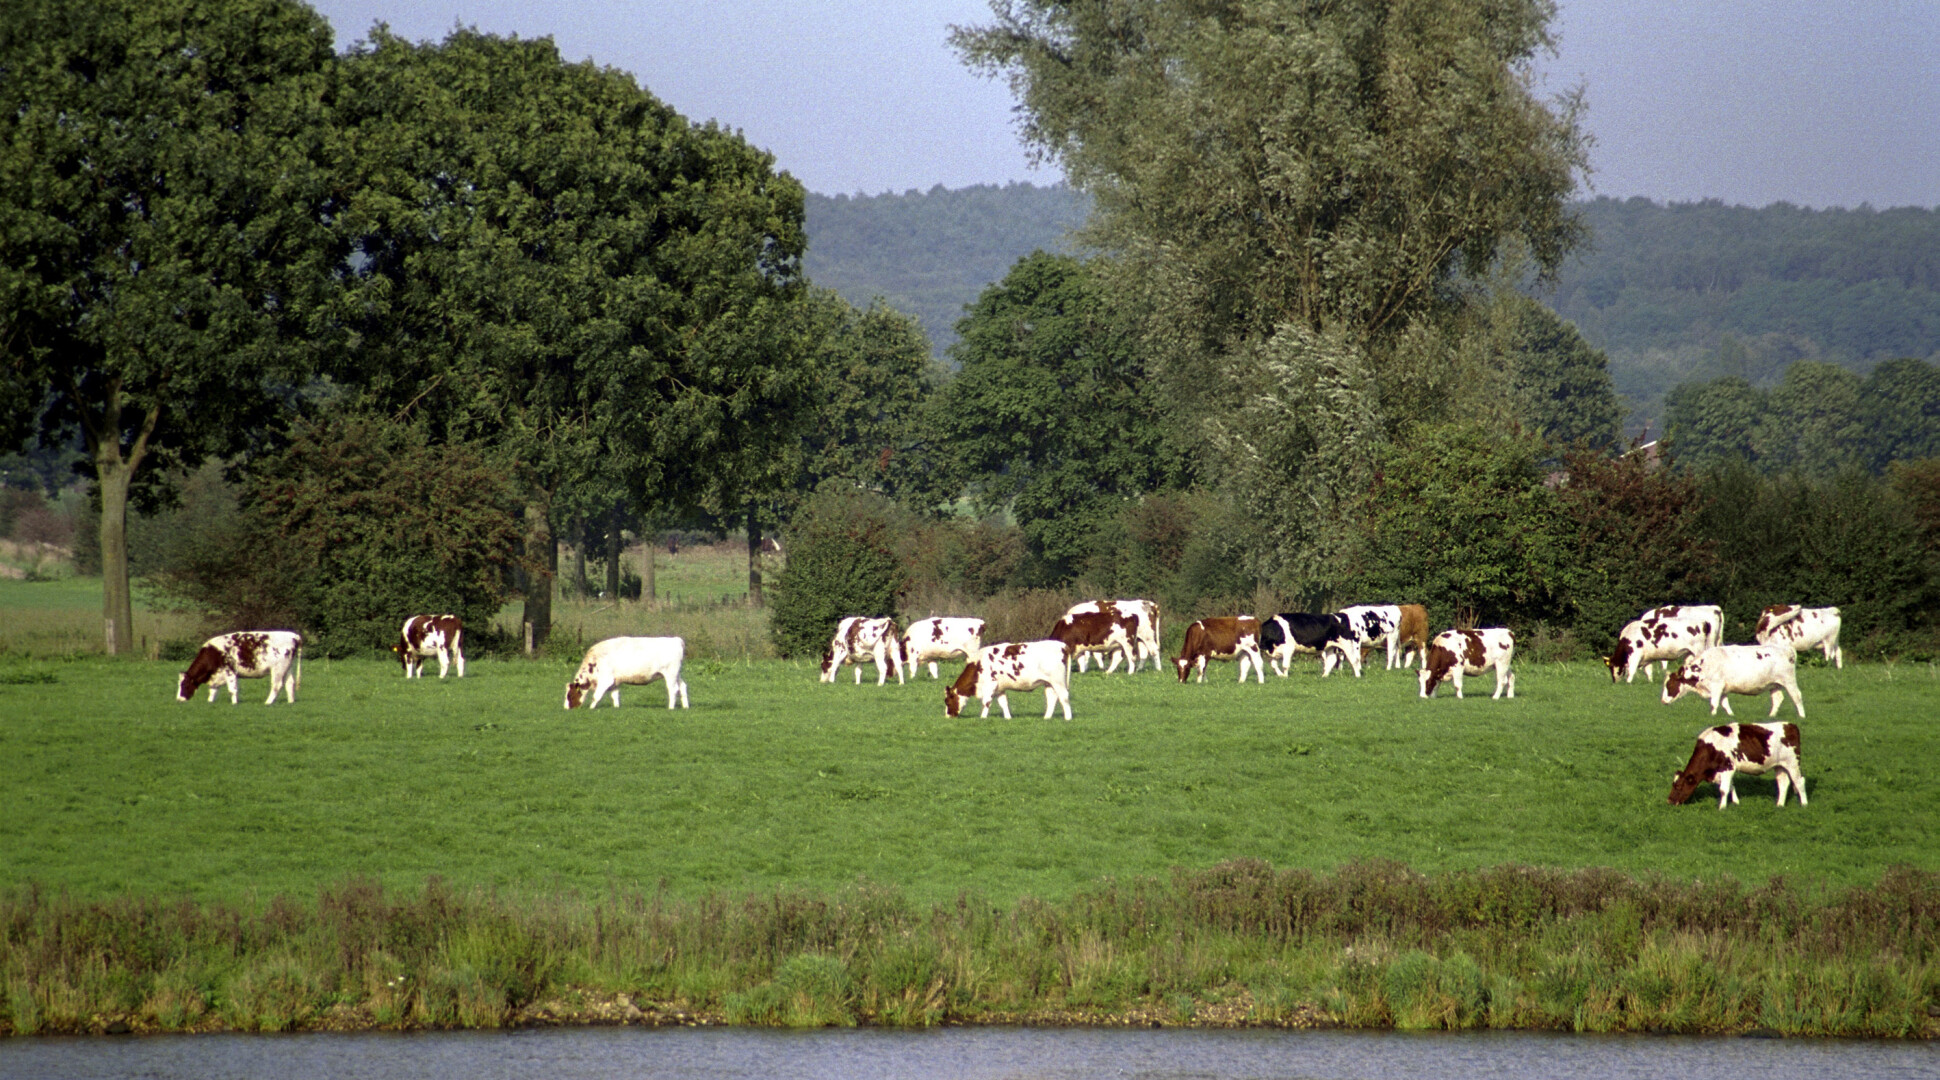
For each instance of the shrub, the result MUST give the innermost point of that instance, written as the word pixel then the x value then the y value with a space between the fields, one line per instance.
pixel 841 561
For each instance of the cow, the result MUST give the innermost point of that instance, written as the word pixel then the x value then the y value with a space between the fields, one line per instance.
pixel 999 669
pixel 1738 669
pixel 933 639
pixel 857 639
pixel 1291 631
pixel 1145 639
pixel 1455 653
pixel 1644 642
pixel 1088 632
pixel 1412 636
pixel 441 636
pixel 1371 625
pixel 1724 751
pixel 1221 638
pixel 1802 628
pixel 246 654
pixel 632 661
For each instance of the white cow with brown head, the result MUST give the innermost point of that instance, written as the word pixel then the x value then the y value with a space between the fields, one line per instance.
pixel 999 669
pixel 858 639
pixel 246 654
pixel 1724 751
pixel 1455 653
pixel 1803 628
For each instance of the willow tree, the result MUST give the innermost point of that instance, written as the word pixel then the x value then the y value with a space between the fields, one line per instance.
pixel 1297 192
pixel 550 261
pixel 161 196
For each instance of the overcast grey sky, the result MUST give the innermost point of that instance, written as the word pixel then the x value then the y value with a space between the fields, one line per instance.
pixel 1816 102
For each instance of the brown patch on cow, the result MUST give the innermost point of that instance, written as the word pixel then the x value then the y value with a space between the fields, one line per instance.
pixel 203 667
pixel 248 647
pixel 1439 663
pixel 1706 765
pixel 1789 736
pixel 1754 743
pixel 965 686
pixel 1085 630
pixel 936 632
pixel 1656 631
pixel 575 692
pixel 1776 614
pixel 1680 680
pixel 1475 654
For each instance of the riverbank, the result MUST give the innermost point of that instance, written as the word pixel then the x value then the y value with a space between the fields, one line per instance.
pixel 1371 945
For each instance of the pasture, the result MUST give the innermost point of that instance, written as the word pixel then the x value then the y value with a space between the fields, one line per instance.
pixel 773 782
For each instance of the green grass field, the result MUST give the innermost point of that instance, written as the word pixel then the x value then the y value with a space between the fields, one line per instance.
pixel 108 786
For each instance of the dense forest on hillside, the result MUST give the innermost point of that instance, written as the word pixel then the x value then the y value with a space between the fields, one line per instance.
pixel 929 253
pixel 1671 292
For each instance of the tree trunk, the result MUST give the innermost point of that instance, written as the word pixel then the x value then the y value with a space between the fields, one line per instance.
pixel 613 553
pixel 117 605
pixel 646 572
pixel 539 545
pixel 754 559
pixel 580 583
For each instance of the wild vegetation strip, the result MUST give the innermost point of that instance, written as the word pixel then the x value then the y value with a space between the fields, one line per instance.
pixel 778 812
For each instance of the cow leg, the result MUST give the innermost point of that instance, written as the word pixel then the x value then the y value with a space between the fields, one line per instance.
pixel 1455 676
pixel 1784 779
pixel 444 661
pixel 1726 796
pixel 1003 702
pixel 933 671
pixel 1064 699
pixel 1798 781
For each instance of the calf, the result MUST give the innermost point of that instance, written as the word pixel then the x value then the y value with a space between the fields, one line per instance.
pixel 1724 751
pixel 1455 653
pixel 1088 632
pixel 858 639
pixel 634 661
pixel 1649 641
pixel 1145 637
pixel 246 654
pixel 1291 631
pixel 930 640
pixel 1221 638
pixel 430 635
pixel 1738 669
pixel 999 669
pixel 1802 628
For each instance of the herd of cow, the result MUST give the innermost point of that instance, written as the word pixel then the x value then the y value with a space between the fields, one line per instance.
pixel 1128 632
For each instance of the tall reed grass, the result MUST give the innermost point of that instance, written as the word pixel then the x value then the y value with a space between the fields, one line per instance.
pixel 1371 945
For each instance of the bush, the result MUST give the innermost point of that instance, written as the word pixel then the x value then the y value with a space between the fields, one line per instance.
pixel 842 561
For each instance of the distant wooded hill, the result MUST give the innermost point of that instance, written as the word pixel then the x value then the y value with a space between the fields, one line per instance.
pixel 1669 292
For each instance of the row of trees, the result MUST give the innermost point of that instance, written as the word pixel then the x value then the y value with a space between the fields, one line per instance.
pixel 1821 419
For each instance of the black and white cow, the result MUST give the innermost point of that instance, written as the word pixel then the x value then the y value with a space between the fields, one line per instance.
pixel 1293 631
pixel 246 654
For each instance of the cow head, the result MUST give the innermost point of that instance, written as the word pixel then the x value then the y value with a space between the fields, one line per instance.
pixel 1706 765
pixel 1618 658
pixel 576 691
pixel 828 664
pixel 1436 668
pixel 1682 681
pixel 207 662
pixel 964 687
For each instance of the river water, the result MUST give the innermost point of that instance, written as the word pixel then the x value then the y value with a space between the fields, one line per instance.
pixel 953 1054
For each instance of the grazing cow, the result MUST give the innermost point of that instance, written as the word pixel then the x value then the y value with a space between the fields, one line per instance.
pixel 1221 638
pixel 858 639
pixel 633 661
pixel 930 640
pixel 1738 669
pixel 1145 635
pixel 1291 631
pixel 246 654
pixel 1455 653
pixel 1802 628
pixel 999 669
pixel 1090 632
pixel 1660 640
pixel 1728 749
pixel 1412 636
pixel 441 636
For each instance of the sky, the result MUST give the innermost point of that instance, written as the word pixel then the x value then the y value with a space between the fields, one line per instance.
pixel 1813 102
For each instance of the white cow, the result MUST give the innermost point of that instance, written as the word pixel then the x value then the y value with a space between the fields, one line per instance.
pixel 1738 669
pixel 1661 640
pixel 246 654
pixel 1009 666
pixel 858 639
pixel 634 661
pixel 1802 628
pixel 930 640
pixel 1454 653
pixel 1145 642
pixel 1724 751
pixel 1374 625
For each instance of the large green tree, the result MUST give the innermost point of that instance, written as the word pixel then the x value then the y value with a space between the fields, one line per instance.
pixel 162 188
pixel 551 261
pixel 1330 172
pixel 874 371
pixel 1051 413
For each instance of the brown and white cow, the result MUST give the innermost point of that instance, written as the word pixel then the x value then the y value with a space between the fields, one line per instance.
pixel 1659 640
pixel 1086 632
pixel 246 654
pixel 441 636
pixel 933 639
pixel 1145 635
pixel 1412 636
pixel 999 669
pixel 1724 751
pixel 1455 653
pixel 1223 637
pixel 857 639
pixel 630 661
pixel 1738 669
pixel 1802 628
